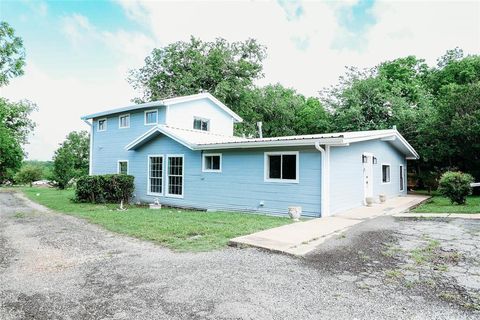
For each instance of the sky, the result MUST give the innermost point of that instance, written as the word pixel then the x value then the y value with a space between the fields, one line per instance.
pixel 79 52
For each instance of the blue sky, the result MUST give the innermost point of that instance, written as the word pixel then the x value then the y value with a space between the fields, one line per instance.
pixel 79 52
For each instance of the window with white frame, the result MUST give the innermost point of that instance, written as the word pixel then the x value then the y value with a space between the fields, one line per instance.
pixel 201 124
pixel 155 175
pixel 124 121
pixel 102 124
pixel 385 173
pixel 151 117
pixel 212 162
pixel 281 166
pixel 402 175
pixel 122 167
pixel 175 175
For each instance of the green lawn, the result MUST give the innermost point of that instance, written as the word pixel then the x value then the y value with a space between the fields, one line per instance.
pixel 181 230
pixel 440 204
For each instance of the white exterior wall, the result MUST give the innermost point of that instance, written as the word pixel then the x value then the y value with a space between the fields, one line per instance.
pixel 181 115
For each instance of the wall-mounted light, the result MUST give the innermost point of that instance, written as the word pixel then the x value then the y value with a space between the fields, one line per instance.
pixel 374 160
pixel 364 158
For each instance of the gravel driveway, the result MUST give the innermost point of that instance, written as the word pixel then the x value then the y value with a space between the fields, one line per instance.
pixel 54 266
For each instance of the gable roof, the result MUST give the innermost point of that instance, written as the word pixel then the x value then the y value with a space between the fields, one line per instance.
pixel 201 140
pixel 167 102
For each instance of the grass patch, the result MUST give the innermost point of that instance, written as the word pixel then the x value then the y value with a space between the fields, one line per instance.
pixel 182 230
pixel 440 204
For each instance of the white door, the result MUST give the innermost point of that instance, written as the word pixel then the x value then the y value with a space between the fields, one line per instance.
pixel 368 176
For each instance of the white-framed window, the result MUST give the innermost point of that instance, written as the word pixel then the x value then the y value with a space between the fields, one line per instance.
pixel 282 166
pixel 102 124
pixel 174 175
pixel 122 167
pixel 151 117
pixel 201 124
pixel 212 162
pixel 155 175
pixel 385 173
pixel 402 178
pixel 124 121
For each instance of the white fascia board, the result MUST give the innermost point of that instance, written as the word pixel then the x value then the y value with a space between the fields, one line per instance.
pixel 264 144
pixel 154 130
pixel 387 136
pixel 123 109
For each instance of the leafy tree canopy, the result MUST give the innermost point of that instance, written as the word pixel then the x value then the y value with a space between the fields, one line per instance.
pixel 224 69
pixel 12 54
pixel 71 158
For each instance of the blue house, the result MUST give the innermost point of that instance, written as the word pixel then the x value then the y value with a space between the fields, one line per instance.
pixel 183 152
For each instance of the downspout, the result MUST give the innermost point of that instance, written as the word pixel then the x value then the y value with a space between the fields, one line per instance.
pixel 90 153
pixel 325 178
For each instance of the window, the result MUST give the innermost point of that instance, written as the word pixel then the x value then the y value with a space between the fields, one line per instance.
pixel 102 125
pixel 175 176
pixel 212 162
pixel 151 117
pixel 155 175
pixel 124 121
pixel 122 167
pixel 402 175
pixel 385 173
pixel 201 124
pixel 281 166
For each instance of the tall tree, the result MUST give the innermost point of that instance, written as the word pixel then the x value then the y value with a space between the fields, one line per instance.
pixel 224 69
pixel 71 158
pixel 12 54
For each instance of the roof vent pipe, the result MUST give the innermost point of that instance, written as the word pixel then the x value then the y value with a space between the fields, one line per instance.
pixel 260 133
pixel 394 127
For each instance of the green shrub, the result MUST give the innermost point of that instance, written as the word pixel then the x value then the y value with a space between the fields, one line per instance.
pixel 28 174
pixel 456 186
pixel 111 188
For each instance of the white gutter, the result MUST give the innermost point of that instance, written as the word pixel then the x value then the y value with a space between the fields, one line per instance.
pixel 90 153
pixel 325 178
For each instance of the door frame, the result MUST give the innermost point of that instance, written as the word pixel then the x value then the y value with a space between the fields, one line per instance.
pixel 368 166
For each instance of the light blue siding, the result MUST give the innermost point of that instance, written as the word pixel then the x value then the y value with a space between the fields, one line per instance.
pixel 346 173
pixel 240 186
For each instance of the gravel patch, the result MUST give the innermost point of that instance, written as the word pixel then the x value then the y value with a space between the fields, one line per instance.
pixel 55 266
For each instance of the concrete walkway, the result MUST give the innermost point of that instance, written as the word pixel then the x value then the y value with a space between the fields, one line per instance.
pixel 303 237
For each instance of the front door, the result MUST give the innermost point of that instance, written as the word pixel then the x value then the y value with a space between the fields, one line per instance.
pixel 367 175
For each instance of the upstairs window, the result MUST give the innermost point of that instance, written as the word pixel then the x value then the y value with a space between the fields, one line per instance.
pixel 124 121
pixel 281 166
pixel 212 162
pixel 201 124
pixel 151 117
pixel 122 167
pixel 385 173
pixel 102 124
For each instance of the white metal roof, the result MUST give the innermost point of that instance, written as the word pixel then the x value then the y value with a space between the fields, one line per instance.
pixel 201 140
pixel 167 102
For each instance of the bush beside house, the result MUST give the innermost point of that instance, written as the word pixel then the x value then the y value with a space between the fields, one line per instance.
pixel 456 186
pixel 112 188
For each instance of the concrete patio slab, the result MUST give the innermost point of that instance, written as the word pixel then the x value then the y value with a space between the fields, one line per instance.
pixel 302 237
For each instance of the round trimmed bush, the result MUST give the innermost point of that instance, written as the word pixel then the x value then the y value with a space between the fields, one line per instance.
pixel 455 185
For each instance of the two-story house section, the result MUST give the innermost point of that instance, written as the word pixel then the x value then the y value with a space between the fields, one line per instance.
pixel 182 151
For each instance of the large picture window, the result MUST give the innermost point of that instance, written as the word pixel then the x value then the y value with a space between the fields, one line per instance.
pixel 281 166
pixel 385 173
pixel 175 176
pixel 155 175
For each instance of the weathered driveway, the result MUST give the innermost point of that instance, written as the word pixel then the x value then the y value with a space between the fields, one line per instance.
pixel 54 266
